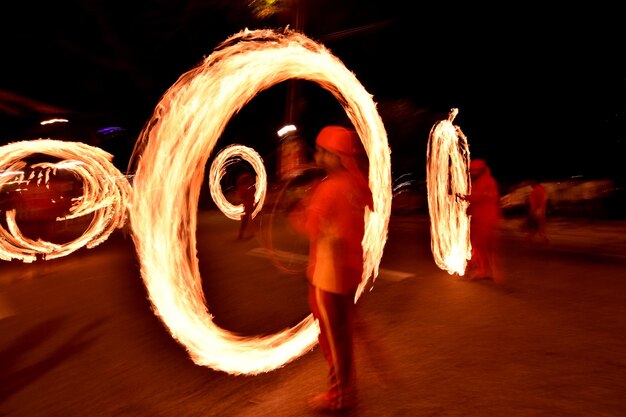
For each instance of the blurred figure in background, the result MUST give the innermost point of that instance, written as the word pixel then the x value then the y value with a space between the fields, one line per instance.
pixel 484 209
pixel 332 216
pixel 245 190
pixel 537 205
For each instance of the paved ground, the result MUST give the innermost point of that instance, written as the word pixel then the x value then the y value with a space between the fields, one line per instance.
pixel 78 337
pixel 579 235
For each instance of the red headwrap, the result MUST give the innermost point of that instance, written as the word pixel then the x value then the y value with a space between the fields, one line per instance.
pixel 477 165
pixel 346 144
pixel 339 140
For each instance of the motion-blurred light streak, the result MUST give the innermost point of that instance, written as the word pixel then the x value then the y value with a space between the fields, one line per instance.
pixel 230 155
pixel 171 155
pixel 106 193
pixel 447 175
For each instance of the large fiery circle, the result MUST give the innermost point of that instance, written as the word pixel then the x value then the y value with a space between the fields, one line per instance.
pixel 229 155
pixel 175 146
pixel 105 194
pixel 447 176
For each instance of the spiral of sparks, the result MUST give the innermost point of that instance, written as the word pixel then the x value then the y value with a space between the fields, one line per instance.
pixel 105 195
pixel 447 175
pixel 174 148
pixel 224 158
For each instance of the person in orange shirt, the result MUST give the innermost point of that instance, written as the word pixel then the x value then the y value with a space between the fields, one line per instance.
pixel 537 205
pixel 333 218
pixel 245 190
pixel 484 209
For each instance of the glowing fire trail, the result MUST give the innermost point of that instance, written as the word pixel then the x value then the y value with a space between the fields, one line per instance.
pixel 229 155
pixel 172 152
pixel 105 195
pixel 447 176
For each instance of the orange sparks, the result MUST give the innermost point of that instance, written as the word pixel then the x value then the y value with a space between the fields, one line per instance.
pixel 447 176
pixel 227 156
pixel 105 194
pixel 174 148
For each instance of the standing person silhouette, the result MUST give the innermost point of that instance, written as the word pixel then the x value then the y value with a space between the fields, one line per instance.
pixel 245 190
pixel 537 205
pixel 484 209
pixel 332 216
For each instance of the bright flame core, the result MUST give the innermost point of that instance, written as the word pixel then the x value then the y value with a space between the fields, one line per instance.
pixel 232 154
pixel 105 194
pixel 447 174
pixel 174 148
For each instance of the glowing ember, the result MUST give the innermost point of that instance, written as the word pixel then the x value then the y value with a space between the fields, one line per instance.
pixel 447 175
pixel 227 156
pixel 172 152
pixel 105 194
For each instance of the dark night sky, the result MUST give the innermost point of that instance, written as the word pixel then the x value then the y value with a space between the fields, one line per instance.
pixel 540 92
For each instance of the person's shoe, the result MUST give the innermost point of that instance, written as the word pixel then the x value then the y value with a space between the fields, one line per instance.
pixel 326 403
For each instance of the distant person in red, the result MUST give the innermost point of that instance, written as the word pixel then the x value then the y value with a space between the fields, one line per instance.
pixel 484 209
pixel 245 190
pixel 537 205
pixel 333 218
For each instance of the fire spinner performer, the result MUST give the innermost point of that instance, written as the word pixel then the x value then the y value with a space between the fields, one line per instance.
pixel 333 219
